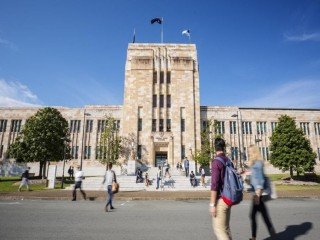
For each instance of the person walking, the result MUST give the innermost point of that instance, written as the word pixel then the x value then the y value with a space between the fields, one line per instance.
pixel 108 179
pixel 258 182
pixel 79 176
pixel 24 180
pixel 186 166
pixel 159 175
pixel 203 175
pixel 218 209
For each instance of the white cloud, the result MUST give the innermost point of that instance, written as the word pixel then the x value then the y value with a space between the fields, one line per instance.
pixel 15 94
pixel 298 94
pixel 8 44
pixel 303 37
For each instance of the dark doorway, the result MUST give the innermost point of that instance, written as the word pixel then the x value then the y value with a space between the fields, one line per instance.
pixel 161 158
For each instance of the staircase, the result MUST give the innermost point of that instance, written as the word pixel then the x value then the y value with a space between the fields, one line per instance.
pixel 177 182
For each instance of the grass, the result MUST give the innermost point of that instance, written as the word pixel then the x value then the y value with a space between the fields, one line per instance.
pixel 307 177
pixel 297 188
pixel 7 185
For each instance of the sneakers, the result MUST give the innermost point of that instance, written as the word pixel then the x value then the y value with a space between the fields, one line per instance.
pixel 112 208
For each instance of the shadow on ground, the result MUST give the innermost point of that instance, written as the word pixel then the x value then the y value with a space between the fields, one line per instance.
pixel 293 231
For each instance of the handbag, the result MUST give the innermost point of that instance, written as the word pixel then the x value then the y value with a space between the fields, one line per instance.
pixel 115 187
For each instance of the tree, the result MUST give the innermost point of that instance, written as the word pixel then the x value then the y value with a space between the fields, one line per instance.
pixel 290 149
pixel 43 138
pixel 204 155
pixel 110 143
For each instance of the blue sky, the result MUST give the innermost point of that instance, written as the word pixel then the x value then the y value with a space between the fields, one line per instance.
pixel 72 53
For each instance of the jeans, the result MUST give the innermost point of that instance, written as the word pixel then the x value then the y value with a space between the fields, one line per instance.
pixel 110 196
pixel 74 193
pixel 187 171
pixel 263 210
pixel 221 223
pixel 158 182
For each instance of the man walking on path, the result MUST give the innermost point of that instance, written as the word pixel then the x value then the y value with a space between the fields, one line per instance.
pixel 218 209
pixel 186 166
pixel 25 180
pixel 108 179
pixel 79 176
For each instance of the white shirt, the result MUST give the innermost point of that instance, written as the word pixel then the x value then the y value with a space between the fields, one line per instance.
pixel 108 178
pixel 78 176
pixel 203 172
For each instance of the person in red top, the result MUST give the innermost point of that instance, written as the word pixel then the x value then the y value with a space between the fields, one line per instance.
pixel 218 209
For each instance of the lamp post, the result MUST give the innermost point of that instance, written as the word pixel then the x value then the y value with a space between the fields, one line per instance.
pixel 239 143
pixel 83 136
pixel 64 161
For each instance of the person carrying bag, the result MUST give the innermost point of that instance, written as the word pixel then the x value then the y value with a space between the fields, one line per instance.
pixel 111 187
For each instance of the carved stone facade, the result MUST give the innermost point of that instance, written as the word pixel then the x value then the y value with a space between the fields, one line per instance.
pixel 162 114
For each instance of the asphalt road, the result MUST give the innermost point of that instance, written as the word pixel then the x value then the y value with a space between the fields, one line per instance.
pixel 150 220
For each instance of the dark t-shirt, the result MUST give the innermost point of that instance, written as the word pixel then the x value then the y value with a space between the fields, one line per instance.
pixel 217 174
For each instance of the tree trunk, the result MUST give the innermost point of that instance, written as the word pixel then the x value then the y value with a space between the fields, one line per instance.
pixel 291 172
pixel 44 170
pixel 40 169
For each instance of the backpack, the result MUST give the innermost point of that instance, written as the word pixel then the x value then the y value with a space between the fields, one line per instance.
pixel 232 186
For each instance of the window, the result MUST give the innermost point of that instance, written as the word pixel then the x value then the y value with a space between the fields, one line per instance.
pixel 183 151
pixel 87 152
pixel 316 128
pixel 154 77
pixel 161 125
pixel 101 125
pixel 183 125
pixel 139 152
pixel 154 101
pixel 246 128
pixel 75 126
pixel 99 153
pixel 168 101
pixel 233 127
pixel 74 152
pixel 261 127
pixel 204 125
pixel 118 124
pixel 1 150
pixel 154 125
pixel 273 126
pixel 168 77
pixel 168 125
pixel 140 124
pixel 161 101
pixel 318 153
pixel 161 77
pixel 305 128
pixel 16 125
pixel 234 153
pixel 264 153
pixel 3 125
pixel 219 127
pixel 89 124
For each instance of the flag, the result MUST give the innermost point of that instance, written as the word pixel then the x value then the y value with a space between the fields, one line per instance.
pixel 156 20
pixel 186 32
pixel 134 36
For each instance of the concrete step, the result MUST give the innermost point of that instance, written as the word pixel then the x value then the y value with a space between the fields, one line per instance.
pixel 128 183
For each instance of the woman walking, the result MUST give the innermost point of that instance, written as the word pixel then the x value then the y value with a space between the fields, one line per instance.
pixel 257 180
pixel 108 179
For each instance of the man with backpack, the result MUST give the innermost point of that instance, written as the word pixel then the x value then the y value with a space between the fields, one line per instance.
pixel 224 192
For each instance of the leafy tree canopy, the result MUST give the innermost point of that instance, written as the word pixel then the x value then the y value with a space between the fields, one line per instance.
pixel 290 149
pixel 110 142
pixel 43 138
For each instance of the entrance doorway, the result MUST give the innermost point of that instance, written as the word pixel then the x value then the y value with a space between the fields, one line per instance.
pixel 161 158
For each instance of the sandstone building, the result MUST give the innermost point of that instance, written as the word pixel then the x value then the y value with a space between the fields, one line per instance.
pixel 162 113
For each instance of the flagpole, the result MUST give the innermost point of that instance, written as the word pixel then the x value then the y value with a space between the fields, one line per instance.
pixel 162 31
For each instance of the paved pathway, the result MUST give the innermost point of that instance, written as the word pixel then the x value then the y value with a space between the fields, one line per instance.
pixel 149 220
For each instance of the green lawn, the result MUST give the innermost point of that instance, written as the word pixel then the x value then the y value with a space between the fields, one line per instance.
pixel 7 185
pixel 297 187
